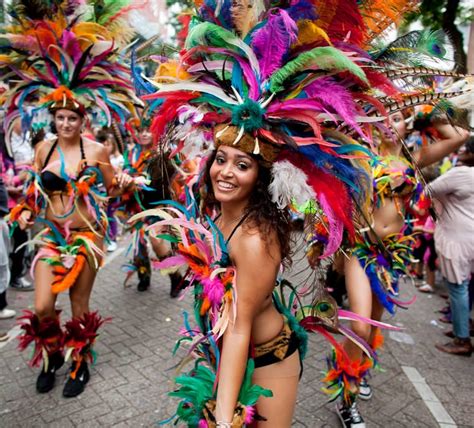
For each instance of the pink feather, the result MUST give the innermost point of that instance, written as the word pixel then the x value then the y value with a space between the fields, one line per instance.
pixel 249 414
pixel 336 228
pixel 70 45
pixel 343 314
pixel 335 98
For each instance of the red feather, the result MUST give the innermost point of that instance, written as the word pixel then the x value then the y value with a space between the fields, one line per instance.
pixel 168 111
pixel 335 192
pixel 45 334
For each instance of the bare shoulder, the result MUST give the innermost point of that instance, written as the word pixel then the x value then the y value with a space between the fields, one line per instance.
pixel 249 246
pixel 41 150
pixel 94 149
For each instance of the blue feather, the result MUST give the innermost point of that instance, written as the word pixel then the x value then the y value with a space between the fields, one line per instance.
pixel 302 9
pixel 57 235
pixel 142 86
pixel 224 19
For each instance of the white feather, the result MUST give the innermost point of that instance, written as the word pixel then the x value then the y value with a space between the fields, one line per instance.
pixel 289 184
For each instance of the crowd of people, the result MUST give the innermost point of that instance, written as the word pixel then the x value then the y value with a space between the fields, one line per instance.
pixel 270 118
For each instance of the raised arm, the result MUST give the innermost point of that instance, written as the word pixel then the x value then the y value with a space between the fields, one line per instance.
pixel 256 276
pixel 452 137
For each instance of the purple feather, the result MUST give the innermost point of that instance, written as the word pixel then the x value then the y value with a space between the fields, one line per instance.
pixel 361 342
pixel 272 42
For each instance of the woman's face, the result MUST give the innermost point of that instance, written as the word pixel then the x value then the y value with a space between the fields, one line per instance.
pixel 109 144
pixel 145 137
pixel 398 124
pixel 233 175
pixel 68 123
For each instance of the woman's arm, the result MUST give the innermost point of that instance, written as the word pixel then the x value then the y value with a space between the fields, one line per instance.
pixel 256 276
pixel 115 184
pixel 452 137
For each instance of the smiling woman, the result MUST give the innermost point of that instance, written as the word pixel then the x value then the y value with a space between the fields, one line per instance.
pixel 71 180
pixel 233 174
pixel 258 236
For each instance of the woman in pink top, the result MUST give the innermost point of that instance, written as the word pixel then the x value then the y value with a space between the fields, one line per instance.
pixel 454 239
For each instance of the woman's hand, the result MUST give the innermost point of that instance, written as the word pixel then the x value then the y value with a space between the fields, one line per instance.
pixel 25 220
pixel 124 181
pixel 313 255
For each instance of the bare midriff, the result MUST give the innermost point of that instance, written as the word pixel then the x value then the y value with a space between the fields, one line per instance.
pixel 59 206
pixel 387 219
pixel 267 324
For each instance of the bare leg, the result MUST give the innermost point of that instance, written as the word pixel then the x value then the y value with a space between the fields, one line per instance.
pixel 160 247
pixel 80 292
pixel 430 276
pixel 45 299
pixel 377 312
pixel 282 379
pixel 360 302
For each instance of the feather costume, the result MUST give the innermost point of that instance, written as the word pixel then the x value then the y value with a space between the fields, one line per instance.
pixel 45 334
pixel 205 255
pixel 80 336
pixel 67 252
pixel 294 85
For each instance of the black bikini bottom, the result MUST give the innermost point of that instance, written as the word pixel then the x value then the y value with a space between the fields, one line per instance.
pixel 276 349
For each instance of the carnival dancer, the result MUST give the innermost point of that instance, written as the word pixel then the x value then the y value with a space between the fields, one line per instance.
pixel 72 72
pixel 154 168
pixel 260 85
pixel 383 252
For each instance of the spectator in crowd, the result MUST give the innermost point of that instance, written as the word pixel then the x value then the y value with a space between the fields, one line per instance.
pixel 454 240
pixel 22 158
pixel 4 251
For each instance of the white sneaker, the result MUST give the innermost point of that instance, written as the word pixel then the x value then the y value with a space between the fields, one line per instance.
pixel 7 313
pixel 350 416
pixel 365 390
pixel 426 288
pixel 112 247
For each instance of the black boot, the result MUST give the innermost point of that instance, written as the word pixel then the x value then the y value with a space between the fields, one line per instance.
pixel 46 378
pixel 74 387
pixel 176 284
pixel 144 283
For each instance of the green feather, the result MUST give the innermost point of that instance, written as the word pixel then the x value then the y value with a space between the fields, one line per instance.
pixel 325 58
pixel 249 393
pixel 208 34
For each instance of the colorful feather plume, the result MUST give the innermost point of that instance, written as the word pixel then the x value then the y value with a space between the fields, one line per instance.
pixel 45 334
pixel 80 336
pixel 70 61
pixel 67 252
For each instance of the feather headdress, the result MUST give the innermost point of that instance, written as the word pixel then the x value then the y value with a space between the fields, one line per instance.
pixel 267 80
pixel 61 61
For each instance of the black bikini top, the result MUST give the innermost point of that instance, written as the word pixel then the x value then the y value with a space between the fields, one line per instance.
pixel 236 226
pixel 52 182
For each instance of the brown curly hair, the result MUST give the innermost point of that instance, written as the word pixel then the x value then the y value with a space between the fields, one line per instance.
pixel 260 211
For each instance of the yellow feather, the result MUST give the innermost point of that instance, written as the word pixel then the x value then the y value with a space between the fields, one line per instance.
pixel 309 32
pixel 91 31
